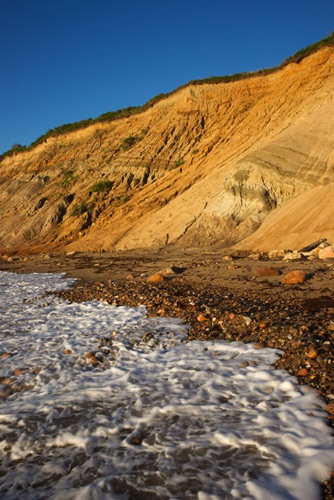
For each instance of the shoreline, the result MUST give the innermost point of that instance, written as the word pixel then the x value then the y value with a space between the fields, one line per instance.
pixel 221 297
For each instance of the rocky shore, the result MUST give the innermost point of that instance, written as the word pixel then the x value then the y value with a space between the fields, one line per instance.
pixel 222 297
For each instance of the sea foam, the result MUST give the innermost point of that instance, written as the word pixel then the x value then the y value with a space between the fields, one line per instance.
pixel 156 419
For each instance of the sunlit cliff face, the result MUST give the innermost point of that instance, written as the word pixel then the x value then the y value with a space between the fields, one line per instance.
pixel 206 165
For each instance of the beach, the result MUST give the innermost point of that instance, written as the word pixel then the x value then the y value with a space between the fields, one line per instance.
pixel 221 295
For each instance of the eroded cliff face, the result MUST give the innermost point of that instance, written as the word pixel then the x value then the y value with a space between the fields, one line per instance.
pixel 208 165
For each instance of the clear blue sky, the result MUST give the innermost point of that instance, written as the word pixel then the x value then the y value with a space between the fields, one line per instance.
pixel 67 60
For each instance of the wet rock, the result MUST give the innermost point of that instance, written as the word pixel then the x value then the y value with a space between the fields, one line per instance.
pixel 330 408
pixel 5 392
pixel 294 277
pixel 20 371
pixel 6 355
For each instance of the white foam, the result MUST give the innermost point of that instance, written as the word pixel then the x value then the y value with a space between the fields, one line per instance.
pixel 157 418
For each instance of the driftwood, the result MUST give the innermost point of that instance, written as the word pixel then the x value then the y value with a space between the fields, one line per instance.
pixel 313 245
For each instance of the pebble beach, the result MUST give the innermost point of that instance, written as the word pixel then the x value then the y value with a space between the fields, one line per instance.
pixel 221 297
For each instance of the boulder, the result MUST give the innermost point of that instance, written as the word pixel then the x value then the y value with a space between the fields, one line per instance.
pixel 156 278
pixel 294 277
pixel 326 253
pixel 292 256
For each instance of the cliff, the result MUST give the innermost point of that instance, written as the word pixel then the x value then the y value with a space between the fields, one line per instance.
pixel 247 163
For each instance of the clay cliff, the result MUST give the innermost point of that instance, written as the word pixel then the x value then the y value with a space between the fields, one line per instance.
pixel 247 163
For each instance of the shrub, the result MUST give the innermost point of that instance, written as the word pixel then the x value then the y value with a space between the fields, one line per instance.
pixel 68 177
pixel 80 208
pixel 102 186
pixel 129 141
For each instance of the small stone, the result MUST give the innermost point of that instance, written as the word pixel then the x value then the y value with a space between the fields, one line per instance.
pixel 227 258
pixel 20 371
pixel 294 277
pixel 232 316
pixel 331 327
pixel 330 408
pixel 201 318
pixel 302 372
pixel 5 392
pixel 6 355
pixel 136 440
pixel 232 267
pixel 263 325
pixel 94 361
pixel 67 351
pixel 89 354
pixel 254 256
pixel 311 353
pixel 247 320
pixel 156 278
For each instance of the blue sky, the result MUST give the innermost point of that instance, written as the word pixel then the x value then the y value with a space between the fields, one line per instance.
pixel 67 60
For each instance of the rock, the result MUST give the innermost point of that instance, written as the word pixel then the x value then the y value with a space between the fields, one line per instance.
pixel 91 358
pixel 292 256
pixel 20 371
pixel 6 355
pixel 67 351
pixel 276 253
pixel 326 253
pixel 294 277
pixel 254 256
pixel 156 278
pixel 302 372
pixel 330 408
pixel 311 257
pixel 232 267
pixel 246 319
pixel 201 318
pixel 5 392
pixel 89 355
pixel 311 352
pixel 136 440
pixel 227 258
pixel 313 245
pixel 266 271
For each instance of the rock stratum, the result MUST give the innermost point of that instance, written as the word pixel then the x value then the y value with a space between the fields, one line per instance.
pixel 248 163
